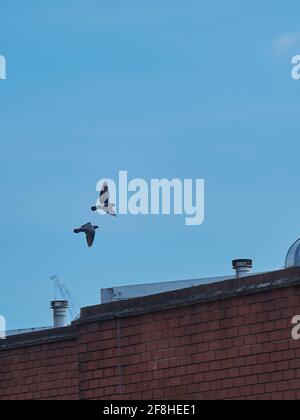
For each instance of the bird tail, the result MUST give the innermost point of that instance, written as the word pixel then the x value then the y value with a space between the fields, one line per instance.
pixel 76 230
pixel 110 210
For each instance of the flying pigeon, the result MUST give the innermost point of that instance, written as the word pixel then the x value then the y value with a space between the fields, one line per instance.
pixel 89 231
pixel 103 201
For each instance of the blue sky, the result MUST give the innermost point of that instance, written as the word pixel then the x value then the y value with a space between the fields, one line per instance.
pixel 160 89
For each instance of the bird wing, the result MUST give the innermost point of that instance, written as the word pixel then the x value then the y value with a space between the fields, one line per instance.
pixel 104 195
pixel 87 225
pixel 90 236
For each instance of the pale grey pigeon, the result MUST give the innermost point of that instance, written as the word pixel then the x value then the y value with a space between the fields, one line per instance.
pixel 89 231
pixel 103 201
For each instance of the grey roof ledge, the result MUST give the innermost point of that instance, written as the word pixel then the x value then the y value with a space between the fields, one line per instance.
pixel 197 294
pixel 38 337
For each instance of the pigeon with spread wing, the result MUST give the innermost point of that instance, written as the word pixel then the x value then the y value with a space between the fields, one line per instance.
pixel 89 231
pixel 103 202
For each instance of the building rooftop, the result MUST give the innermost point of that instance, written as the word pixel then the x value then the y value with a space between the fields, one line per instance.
pixel 217 291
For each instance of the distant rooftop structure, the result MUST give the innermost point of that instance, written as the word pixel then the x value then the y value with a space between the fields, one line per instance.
pixel 242 268
pixel 113 294
pixel 293 255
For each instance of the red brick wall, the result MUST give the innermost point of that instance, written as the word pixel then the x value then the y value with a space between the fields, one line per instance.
pixel 236 348
pixel 240 347
pixel 45 371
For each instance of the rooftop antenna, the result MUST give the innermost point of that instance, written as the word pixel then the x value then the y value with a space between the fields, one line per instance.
pixel 74 308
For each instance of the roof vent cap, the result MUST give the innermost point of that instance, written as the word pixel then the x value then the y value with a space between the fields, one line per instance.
pixel 242 267
pixel 59 308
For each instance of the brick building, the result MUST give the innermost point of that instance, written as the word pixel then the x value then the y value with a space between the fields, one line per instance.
pixel 226 340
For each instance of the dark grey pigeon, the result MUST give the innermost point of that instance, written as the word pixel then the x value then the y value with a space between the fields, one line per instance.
pixel 89 231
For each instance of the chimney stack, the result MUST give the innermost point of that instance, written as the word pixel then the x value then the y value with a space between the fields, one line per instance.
pixel 59 308
pixel 242 267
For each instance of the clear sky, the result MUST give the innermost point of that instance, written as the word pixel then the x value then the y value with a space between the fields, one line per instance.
pixel 188 89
